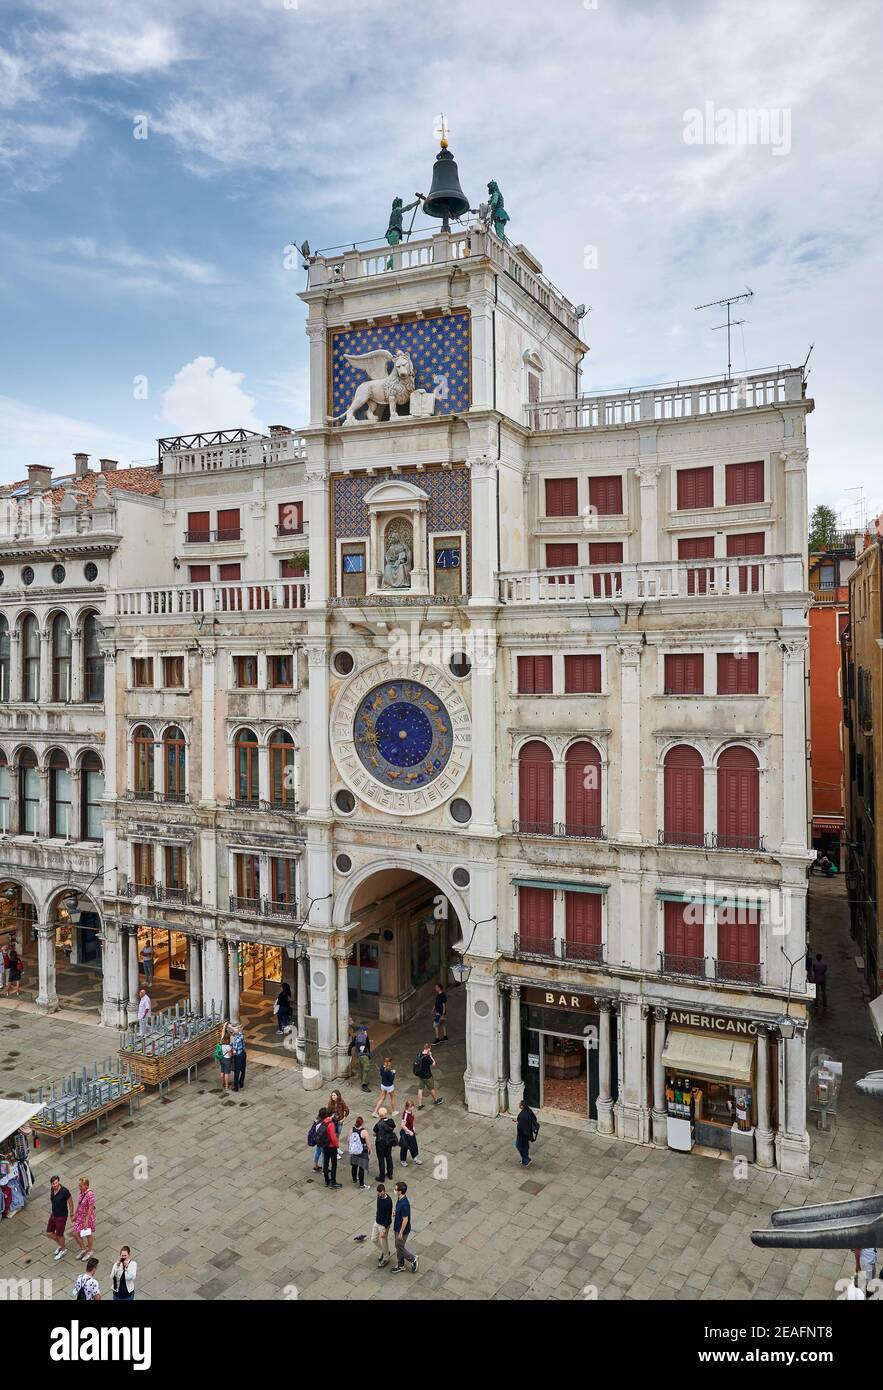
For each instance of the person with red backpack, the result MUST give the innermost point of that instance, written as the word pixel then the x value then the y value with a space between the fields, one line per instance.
pixel 328 1142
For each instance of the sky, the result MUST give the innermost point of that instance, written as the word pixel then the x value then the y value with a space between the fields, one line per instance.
pixel 157 160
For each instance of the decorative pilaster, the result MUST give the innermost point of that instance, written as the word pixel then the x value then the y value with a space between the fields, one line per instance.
pixel 194 973
pixel 318 707
pixel 45 666
pixel 133 973
pixel 233 981
pixel 320 529
pixel 794 746
pixel 648 473
pixel 485 563
pixel 630 742
pixel 604 1103
pixel 660 1115
pixel 763 1135
pixel 114 983
pixel 792 1139
pixel 210 787
pixel 343 1009
pixel 516 1082
pixel 47 999
pixel 76 690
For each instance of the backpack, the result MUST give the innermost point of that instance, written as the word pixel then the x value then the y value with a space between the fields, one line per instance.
pixel 80 1287
pixel 322 1135
pixel 311 1137
pixel 362 1038
pixel 418 1067
pixel 356 1147
pixel 534 1128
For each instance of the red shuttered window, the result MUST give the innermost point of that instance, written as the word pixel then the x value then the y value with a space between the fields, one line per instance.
pixel 535 907
pixel 535 675
pixel 535 789
pixel 744 483
pixel 697 548
pixel 582 926
pixel 562 555
pixel 228 524
pixel 748 543
pixel 695 488
pixel 605 496
pixel 582 769
pixel 738 799
pixel 198 524
pixel 684 795
pixel 737 675
pixel 582 674
pixel 738 944
pixel 562 497
pixel 685 673
pixel 684 938
pixel 605 553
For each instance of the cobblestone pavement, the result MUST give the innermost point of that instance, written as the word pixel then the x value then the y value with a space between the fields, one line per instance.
pixel 230 1207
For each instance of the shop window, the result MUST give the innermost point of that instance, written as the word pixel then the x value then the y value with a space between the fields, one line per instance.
pixel 352 570
pixel 737 674
pixel 245 753
pixel 695 488
pixel 684 795
pixel 562 555
pixel 535 914
pixel 245 672
pixel 582 674
pixel 228 524
pixel 738 799
pixel 535 814
pixel 447 560
pixel 92 794
pixel 562 497
pixel 738 944
pixel 30 659
pixel 582 780
pixel 582 926
pixel 606 553
pixel 175 870
pixel 142 742
pixel 142 672
pixel 283 877
pixel 28 792
pixel 282 771
pixel 173 672
pixel 535 675
pixel 198 526
pixel 744 483
pixel 142 864
pixel 174 763
pixel 684 673
pixel 699 578
pixel 684 926
pixel 61 658
pixel 60 797
pixel 748 543
pixel 291 519
pixel 93 661
pixel 280 672
pixel 5 659
pixel 605 496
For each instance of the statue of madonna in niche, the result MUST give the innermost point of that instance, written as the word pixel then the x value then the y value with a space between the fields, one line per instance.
pixel 398 560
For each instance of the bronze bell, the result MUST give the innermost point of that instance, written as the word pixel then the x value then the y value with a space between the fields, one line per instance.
pixel 446 198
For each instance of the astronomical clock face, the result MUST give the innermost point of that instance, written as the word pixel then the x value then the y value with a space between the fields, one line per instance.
pixel 402 742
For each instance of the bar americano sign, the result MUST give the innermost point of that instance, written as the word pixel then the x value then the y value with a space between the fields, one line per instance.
pixel 714 1023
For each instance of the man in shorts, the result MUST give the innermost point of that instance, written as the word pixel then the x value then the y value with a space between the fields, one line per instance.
pixel 62 1207
pixel 440 1014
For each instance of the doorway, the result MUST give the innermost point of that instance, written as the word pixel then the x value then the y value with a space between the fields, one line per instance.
pixel 564 1074
pixel 363 975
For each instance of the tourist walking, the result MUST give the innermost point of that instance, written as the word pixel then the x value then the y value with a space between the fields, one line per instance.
pixel 402 1229
pixel 62 1204
pixel 84 1219
pixel 407 1136
pixel 359 1148
pixel 87 1286
pixel 282 1008
pixel 440 1014
pixel 527 1131
pixel 328 1142
pixel 384 1143
pixel 122 1276
pixel 866 1263
pixel 820 979
pixel 423 1068
pixel 360 1051
pixel 240 1056
pixel 147 962
pixel 382 1223
pixel 224 1054
pixel 4 967
pixel 387 1095
pixel 15 966
pixel 145 1010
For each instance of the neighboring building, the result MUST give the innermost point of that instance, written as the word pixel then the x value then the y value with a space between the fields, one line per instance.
pixel 863 756
pixel 540 703
pixel 829 572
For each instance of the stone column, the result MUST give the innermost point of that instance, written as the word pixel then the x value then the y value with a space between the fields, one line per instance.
pixel 483 470
pixel 604 1102
pixel 45 666
pixel 211 784
pixel 214 975
pixel 483 679
pixel 792 1139
pixel 516 1082
pixel 648 472
pixel 343 1009
pixel 794 811
pixel 233 981
pixel 633 1106
pixel 47 999
pixel 115 731
pixel 316 335
pixel 113 977
pixel 43 826
pixel 194 972
pixel 763 1135
pixel 76 690
pixel 76 826
pixel 484 1094
pixel 320 751
pixel 301 1006
pixel 320 530
pixel 133 973
pixel 630 747
pixel 323 998
pixel 660 1114
pixel 15 673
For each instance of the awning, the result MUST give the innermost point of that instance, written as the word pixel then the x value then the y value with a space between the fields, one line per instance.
pixel 876 1008
pixel 826 825
pixel 715 1059
pixel 560 885
pixel 14 1114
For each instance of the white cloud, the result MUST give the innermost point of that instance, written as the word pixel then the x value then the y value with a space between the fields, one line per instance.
pixel 31 434
pixel 204 396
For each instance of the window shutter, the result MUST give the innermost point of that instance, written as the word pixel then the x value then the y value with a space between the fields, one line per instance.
pixel 695 488
pixel 582 919
pixel 535 675
pixel 684 933
pixel 535 907
pixel 748 543
pixel 562 497
pixel 605 496
pixel 737 675
pixel 562 555
pixel 582 673
pixel 738 799
pixel 200 574
pixel 696 548
pixel 744 483
pixel 229 572
pixel 683 790
pixel 198 525
pixel 228 524
pixel 535 788
pixel 582 768
pixel 684 673
pixel 605 553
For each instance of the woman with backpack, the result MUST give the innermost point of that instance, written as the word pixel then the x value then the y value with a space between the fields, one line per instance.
pixel 387 1095
pixel 328 1142
pixel 408 1137
pixel 359 1149
pixel 311 1140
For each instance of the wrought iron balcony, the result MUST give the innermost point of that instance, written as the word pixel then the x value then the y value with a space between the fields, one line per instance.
pixel 168 893
pixel 737 971
pixel 589 952
pixel 280 909
pixel 559 830
pixel 689 967
pixel 139 890
pixel 173 797
pixel 548 948
pixel 684 839
pixel 736 842
pixel 251 906
pixel 284 531
pixel 224 533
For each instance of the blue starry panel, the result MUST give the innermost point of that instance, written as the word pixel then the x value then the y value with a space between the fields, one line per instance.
pixel 403 735
pixel 438 347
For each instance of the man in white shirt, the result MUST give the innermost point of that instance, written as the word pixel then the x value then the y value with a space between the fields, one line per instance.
pixel 144 1010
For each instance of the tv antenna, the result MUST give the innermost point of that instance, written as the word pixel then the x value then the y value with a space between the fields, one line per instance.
pixel 731 323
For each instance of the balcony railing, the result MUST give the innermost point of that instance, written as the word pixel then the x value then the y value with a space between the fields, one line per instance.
pixel 684 839
pixel 223 533
pixel 168 893
pixel 250 906
pixel 263 907
pixel 559 830
pixel 139 890
pixel 293 531
pixel 208 453
pixel 737 971
pixel 676 401
pixel 546 948
pixel 239 597
pixel 725 578
pixel 280 909
pixel 692 967
pixel 746 843
pixel 242 803
pixel 174 797
pixel 696 968
pixel 156 892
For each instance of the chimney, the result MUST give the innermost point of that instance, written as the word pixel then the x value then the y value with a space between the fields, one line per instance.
pixel 39 478
pixel 81 465
pixel 108 465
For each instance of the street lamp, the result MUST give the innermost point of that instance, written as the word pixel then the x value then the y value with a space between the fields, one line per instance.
pixel 460 970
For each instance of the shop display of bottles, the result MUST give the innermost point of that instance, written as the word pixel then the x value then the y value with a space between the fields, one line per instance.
pixel 679 1097
pixel 78 1095
pixel 164 1032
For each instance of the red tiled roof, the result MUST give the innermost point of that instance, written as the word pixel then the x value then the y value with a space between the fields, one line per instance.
pixel 147 481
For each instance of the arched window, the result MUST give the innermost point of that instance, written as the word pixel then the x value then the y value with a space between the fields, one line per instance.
pixel 738 799
pixel 246 789
pixel 4 795
pixel 282 789
pixel 60 798
pixel 92 791
pixel 535 815
pixel 93 662
pixel 684 797
pixel 142 741
pixel 174 763
pixel 582 770
pixel 30 659
pixel 4 659
pixel 61 658
pixel 28 792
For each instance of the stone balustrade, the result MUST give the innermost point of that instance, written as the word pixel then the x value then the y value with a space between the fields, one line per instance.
pixel 694 579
